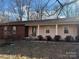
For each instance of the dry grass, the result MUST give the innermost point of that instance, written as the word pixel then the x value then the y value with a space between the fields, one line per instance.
pixel 37 50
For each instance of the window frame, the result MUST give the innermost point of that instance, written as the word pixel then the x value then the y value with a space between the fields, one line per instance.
pixel 5 28
pixel 47 31
pixel 66 29
pixel 14 29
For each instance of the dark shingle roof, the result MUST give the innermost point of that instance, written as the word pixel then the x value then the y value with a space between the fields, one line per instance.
pixel 73 20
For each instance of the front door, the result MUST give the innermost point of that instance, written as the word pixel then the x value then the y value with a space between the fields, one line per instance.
pixel 26 31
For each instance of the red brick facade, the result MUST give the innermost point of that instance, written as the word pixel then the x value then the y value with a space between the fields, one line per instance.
pixel 1 32
pixel 20 30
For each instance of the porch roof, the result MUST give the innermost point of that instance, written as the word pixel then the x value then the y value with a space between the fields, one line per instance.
pixel 15 23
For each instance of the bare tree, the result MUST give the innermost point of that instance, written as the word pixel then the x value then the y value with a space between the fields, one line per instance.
pixel 71 10
pixel 67 6
pixel 61 6
pixel 43 8
pixel 38 8
pixel 18 8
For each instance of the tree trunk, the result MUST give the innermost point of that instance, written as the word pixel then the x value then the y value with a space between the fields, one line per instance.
pixel 20 18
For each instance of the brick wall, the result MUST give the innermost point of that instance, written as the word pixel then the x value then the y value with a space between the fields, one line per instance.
pixel 1 32
pixel 20 31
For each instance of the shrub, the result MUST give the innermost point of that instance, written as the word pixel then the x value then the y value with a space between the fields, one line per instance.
pixel 49 38
pixel 57 37
pixel 69 38
pixel 77 38
pixel 40 37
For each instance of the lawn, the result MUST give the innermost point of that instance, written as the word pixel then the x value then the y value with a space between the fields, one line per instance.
pixel 39 50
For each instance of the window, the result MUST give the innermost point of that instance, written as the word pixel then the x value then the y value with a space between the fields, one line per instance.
pixel 34 31
pixel 47 31
pixel 14 29
pixel 5 28
pixel 66 30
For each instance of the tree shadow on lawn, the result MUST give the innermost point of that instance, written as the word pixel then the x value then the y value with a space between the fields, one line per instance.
pixel 35 49
pixel 27 49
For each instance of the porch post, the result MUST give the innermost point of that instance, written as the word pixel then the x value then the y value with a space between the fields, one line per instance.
pixel 56 29
pixel 38 27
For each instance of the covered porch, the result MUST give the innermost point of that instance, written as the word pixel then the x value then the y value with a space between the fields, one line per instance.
pixel 36 30
pixel 51 30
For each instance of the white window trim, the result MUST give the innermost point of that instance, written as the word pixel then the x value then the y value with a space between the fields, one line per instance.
pixel 14 28
pixel 67 29
pixel 5 28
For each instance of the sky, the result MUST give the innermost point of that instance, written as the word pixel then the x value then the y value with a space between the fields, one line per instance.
pixel 7 6
pixel 7 3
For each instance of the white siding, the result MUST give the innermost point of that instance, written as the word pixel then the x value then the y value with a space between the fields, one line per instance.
pixel 44 28
pixel 72 30
pixel 52 28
